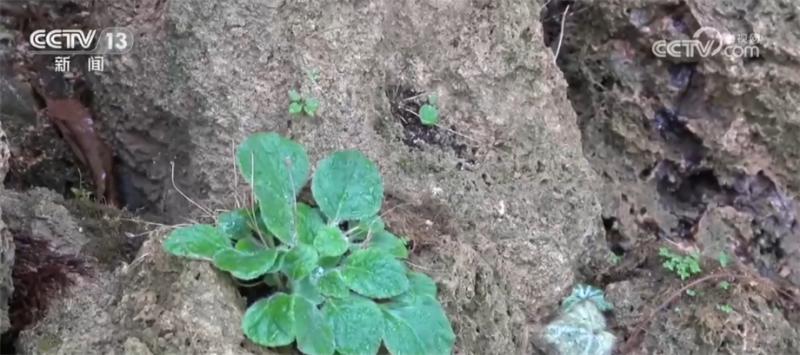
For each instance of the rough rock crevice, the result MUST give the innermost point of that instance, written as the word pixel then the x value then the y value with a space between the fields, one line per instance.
pixel 696 153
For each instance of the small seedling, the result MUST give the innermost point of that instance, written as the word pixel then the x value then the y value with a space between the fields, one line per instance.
pixel 302 105
pixel 614 258
pixel 724 259
pixel 339 277
pixel 81 193
pixel 313 75
pixel 581 327
pixel 725 308
pixel 691 292
pixel 429 113
pixel 685 266
pixel 725 285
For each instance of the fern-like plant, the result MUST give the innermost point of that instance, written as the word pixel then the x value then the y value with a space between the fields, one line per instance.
pixel 581 327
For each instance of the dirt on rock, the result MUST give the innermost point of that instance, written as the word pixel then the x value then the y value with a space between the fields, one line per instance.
pixel 76 292
pixel 152 305
pixel 696 154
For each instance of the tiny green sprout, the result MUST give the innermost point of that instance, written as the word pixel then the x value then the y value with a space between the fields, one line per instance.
pixel 691 292
pixel 725 285
pixel 312 75
pixel 725 308
pixel 685 266
pixel 302 105
pixel 614 258
pixel 724 259
pixel 334 290
pixel 429 113
pixel 81 193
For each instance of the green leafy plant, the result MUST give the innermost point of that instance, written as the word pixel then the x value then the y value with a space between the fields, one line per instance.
pixel 581 326
pixel 429 113
pixel 724 259
pixel 685 266
pixel 725 285
pixel 614 258
pixel 302 105
pixel 725 308
pixel 340 283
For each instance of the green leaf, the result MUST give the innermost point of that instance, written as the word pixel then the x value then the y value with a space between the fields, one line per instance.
pixel 314 332
pixel 374 273
pixel 429 115
pixel 347 186
pixel 244 265
pixel 295 108
pixel 278 265
pixel 332 285
pixel 311 105
pixel 198 241
pixel 389 243
pixel 305 287
pixel 331 241
pixel 329 262
pixel 420 286
pixel 300 261
pixel 294 96
pixel 357 325
pixel 234 224
pixel 724 259
pixel 417 328
pixel 257 223
pixel 277 168
pixel 270 321
pixel 248 244
pixel 366 226
pixel 309 222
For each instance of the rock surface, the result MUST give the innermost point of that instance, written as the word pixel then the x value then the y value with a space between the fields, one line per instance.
pixel 698 326
pixel 151 304
pixel 676 137
pixel 700 153
pixel 503 210
pixel 6 246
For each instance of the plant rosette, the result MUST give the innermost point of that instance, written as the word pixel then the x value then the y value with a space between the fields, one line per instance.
pixel 339 277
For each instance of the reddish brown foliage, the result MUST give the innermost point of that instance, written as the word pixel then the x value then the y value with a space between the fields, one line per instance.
pixel 39 274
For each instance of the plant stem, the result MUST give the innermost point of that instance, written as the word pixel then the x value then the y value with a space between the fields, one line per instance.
pixel 276 279
pixel 246 284
pixel 633 339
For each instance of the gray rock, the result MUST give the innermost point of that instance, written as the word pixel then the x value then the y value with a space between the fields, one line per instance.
pixel 153 304
pixel 6 246
pixel 4 153
pixel 505 209
pixel 697 154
